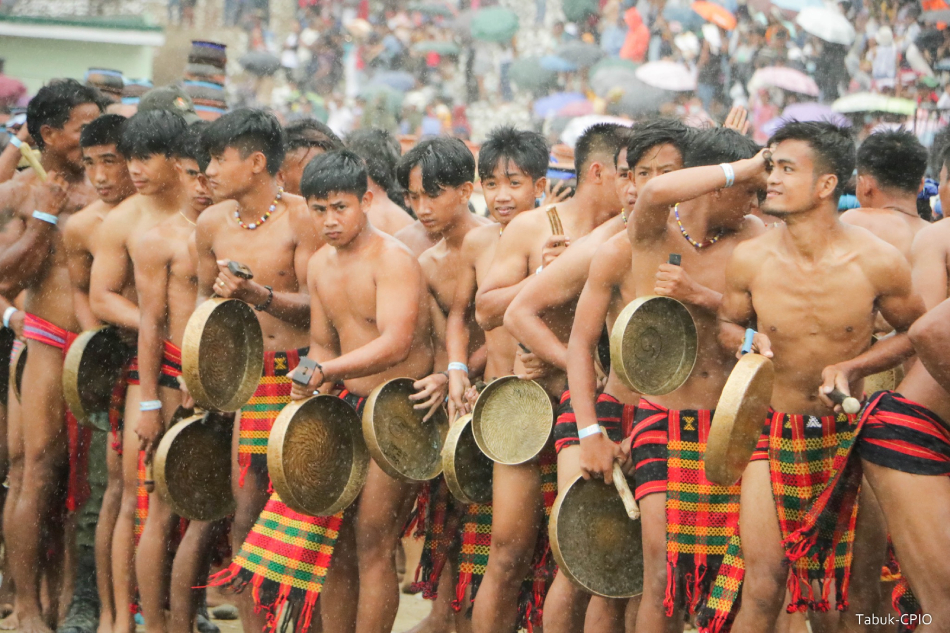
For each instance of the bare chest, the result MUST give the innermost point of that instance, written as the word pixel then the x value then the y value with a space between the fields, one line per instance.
pixel 268 253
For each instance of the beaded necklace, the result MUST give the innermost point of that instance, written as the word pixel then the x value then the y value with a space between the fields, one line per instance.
pixel 707 243
pixel 263 218
pixel 623 216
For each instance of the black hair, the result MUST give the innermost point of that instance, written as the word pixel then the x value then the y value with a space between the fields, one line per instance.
pixel 527 150
pixel 380 151
pixel 192 146
pixel 718 145
pixel 598 140
pixel 106 130
pixel 248 131
pixel 940 143
pixel 832 146
pixel 153 132
pixel 340 171
pixel 895 159
pixel 650 134
pixel 55 102
pixel 445 162
pixel 310 133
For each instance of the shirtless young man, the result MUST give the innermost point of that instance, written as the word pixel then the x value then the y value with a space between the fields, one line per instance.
pixel 166 281
pixel 147 143
pixel 813 287
pixel 36 261
pixel 524 247
pixel 369 324
pixel 653 148
pixel 270 232
pixel 108 173
pixel 381 152
pixel 304 139
pixel 700 214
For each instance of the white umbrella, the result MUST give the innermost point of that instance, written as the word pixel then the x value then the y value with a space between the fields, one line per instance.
pixel 577 126
pixel 667 75
pixel 827 24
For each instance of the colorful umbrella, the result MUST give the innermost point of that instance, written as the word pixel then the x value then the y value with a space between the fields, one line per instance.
pixel 806 112
pixel 440 47
pixel 667 76
pixel 553 103
pixel 432 8
pixel 785 78
pixel 612 63
pixel 580 54
pixel 579 10
pixel 578 126
pixel 874 102
pixel 607 79
pixel 715 14
pixel 797 5
pixel 639 99
pixel 556 64
pixel 827 24
pixel 529 74
pixel 494 24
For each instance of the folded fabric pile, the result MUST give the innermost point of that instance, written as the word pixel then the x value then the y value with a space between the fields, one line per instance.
pixel 204 78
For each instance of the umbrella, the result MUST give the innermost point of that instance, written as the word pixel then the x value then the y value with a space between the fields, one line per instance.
pixel 933 17
pixel 826 24
pixel 639 99
pixel 375 93
pixel 432 8
pixel 577 108
pixel 553 103
pixel 580 54
pixel 607 79
pixel 716 14
pixel 667 75
pixel 874 102
pixel 687 18
pixel 797 5
pixel 613 63
pixel 529 74
pixel 785 78
pixel 11 90
pixel 494 24
pixel 943 64
pixel 578 126
pixel 260 63
pixel 396 79
pixel 556 64
pixel 578 10
pixel 806 112
pixel 359 28
pixel 440 47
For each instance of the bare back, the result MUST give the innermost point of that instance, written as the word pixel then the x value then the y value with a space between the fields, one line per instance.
pixel 894 227
pixel 387 216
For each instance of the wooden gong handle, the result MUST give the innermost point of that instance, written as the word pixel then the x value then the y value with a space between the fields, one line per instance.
pixel 149 482
pixel 27 152
pixel 620 483
pixel 848 403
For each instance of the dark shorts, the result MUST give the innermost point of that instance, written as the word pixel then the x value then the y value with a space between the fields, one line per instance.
pixel 613 415
pixel 903 435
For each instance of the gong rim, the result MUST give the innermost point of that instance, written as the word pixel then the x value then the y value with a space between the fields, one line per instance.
pixel 601 571
pixel 391 429
pixel 213 433
pixel 295 429
pixel 222 326
pixel 86 394
pixel 463 464
pixel 738 420
pixel 640 329
pixel 19 364
pixel 512 420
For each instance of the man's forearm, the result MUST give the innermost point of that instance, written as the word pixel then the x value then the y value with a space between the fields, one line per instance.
pixel 113 308
pixel 490 306
pixel 731 336
pixel 22 260
pixel 582 380
pixel 375 357
pixel 885 354
pixel 150 351
pixel 532 332
pixel 707 299
pixel 290 307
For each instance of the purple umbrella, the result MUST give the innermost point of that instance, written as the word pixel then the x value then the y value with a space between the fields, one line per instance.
pixel 552 104
pixel 11 90
pixel 809 111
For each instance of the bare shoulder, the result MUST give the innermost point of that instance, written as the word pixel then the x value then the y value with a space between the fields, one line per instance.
pixel 82 223
pixel 155 244
pixel 751 227
pixel 936 234
pixel 877 256
pixel 124 215
pixel 528 221
pixel 215 214
pixel 481 237
pixel 750 253
pixel 612 260
pixel 296 207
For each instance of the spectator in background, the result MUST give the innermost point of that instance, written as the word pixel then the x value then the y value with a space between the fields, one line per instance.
pixel 637 41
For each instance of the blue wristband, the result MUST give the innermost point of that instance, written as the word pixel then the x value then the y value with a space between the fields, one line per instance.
pixel 729 173
pixel 587 431
pixel 459 367
pixel 46 217
pixel 747 341
pixel 150 405
pixel 15 142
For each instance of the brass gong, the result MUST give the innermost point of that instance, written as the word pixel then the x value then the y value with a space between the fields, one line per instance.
pixel 18 364
pixel 91 368
pixel 222 355
pixel 316 455
pixel 402 444
pixel 468 471
pixel 653 345
pixel 512 420
pixel 594 541
pixel 739 418
pixel 192 466
pixel 887 380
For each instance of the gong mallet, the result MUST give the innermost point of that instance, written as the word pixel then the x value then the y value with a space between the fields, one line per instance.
pixel 849 404
pixel 620 483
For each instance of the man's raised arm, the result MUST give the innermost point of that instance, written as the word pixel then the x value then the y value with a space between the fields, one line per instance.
pixel 506 277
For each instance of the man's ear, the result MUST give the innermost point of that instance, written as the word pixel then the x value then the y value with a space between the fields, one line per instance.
pixel 48 132
pixel 465 191
pixel 595 172
pixel 367 201
pixel 539 186
pixel 258 162
pixel 826 185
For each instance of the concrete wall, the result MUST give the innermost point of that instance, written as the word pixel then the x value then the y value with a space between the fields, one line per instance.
pixel 36 61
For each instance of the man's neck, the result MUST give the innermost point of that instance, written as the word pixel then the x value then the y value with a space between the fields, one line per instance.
pixel 455 233
pixel 168 200
pixel 811 232
pixel 358 243
pixel 52 161
pixel 588 208
pixel 256 200
pixel 901 202
pixel 379 194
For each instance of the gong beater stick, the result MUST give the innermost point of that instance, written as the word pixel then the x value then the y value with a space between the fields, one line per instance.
pixel 30 157
pixel 620 483
pixel 848 403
